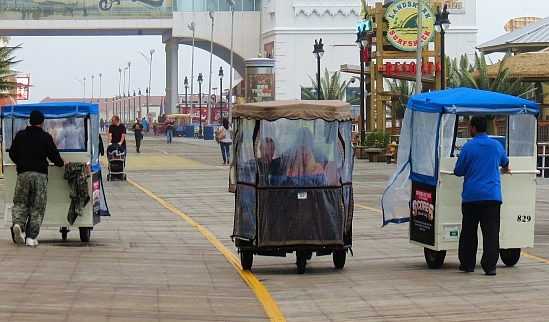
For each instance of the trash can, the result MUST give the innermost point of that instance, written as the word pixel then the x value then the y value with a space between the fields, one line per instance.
pixel 208 132
pixel 190 131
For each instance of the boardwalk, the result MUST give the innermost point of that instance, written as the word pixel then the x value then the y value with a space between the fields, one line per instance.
pixel 147 263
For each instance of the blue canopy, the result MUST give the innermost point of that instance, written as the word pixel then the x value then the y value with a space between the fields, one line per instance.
pixel 464 100
pixel 51 110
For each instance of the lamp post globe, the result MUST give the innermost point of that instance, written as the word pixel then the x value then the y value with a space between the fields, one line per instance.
pixel 186 83
pixel 220 94
pixel 362 42
pixel 318 52
pixel 442 23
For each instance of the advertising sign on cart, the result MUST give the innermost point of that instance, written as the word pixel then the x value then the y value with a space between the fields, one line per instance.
pixel 422 219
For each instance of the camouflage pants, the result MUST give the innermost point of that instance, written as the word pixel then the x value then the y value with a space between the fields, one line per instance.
pixel 29 202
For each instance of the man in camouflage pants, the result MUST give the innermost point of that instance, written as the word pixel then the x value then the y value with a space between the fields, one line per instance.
pixel 29 151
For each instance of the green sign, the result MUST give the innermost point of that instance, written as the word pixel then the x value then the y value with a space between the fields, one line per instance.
pixel 364 25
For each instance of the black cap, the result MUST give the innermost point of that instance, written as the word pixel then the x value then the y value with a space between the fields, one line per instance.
pixel 36 117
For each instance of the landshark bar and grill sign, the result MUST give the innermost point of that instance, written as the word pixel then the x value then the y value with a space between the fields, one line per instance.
pixel 402 16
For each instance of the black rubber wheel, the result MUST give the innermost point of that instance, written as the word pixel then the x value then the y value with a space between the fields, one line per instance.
pixel 301 262
pixel 339 257
pixel 246 259
pixel 108 177
pixel 434 258
pixel 124 177
pixel 509 256
pixel 64 232
pixel 85 234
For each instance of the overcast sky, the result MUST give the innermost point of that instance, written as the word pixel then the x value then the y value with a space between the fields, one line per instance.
pixel 55 63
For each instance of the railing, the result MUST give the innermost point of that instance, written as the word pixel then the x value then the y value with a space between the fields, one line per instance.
pixel 543 165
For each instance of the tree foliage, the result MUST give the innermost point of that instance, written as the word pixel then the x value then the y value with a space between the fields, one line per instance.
pixel 331 86
pixel 406 89
pixel 7 74
pixel 475 75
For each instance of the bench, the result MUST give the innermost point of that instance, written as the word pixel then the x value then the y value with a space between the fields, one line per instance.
pixel 360 152
pixel 373 154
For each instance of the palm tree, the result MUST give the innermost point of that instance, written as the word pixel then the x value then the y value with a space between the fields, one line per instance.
pixel 7 74
pixel 406 89
pixel 476 76
pixel 331 86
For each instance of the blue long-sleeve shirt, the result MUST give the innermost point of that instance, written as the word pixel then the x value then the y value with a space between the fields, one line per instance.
pixel 478 162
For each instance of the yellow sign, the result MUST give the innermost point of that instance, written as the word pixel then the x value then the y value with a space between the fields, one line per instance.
pixel 402 16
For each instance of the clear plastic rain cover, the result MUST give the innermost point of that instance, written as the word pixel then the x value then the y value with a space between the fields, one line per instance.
pixel 293 180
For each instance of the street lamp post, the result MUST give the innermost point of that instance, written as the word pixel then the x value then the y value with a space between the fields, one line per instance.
pixel 100 75
pixel 362 42
pixel 150 61
pixel 191 26
pixel 124 97
pixel 221 93
pixel 210 77
pixel 129 76
pixel 119 80
pixel 200 136
pixel 134 115
pixel 442 23
pixel 139 93
pixel 186 83
pixel 84 85
pixel 230 103
pixel 93 76
pixel 318 52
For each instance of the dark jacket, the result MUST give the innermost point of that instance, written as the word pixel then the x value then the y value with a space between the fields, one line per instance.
pixel 31 148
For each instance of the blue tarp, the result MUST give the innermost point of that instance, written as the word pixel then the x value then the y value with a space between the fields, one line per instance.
pixel 51 110
pixel 464 100
pixel 419 138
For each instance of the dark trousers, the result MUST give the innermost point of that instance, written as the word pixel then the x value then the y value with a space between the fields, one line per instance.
pixel 138 138
pixel 486 213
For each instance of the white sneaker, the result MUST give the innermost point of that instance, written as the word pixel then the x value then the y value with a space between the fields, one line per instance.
pixel 31 242
pixel 17 234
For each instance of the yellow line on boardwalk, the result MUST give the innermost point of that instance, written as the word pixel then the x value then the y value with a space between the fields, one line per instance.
pixel 534 257
pixel 271 308
pixel 367 208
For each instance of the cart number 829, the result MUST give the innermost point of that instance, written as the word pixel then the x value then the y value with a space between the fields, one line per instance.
pixel 523 218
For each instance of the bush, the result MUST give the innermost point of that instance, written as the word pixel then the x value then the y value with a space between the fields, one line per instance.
pixel 377 139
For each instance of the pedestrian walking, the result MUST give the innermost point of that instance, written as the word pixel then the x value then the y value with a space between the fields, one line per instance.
pixel 117 132
pixel 102 124
pixel 480 162
pixel 30 151
pixel 169 130
pixel 145 125
pixel 224 138
pixel 137 129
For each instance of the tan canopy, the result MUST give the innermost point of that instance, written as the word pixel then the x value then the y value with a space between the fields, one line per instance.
pixel 294 109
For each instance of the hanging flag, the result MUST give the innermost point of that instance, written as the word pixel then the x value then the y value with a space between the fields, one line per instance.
pixel 161 107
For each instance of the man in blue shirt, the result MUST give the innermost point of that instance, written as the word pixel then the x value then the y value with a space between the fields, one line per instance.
pixel 479 163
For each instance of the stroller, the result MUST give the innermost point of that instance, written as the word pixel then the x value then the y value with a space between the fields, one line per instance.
pixel 116 155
